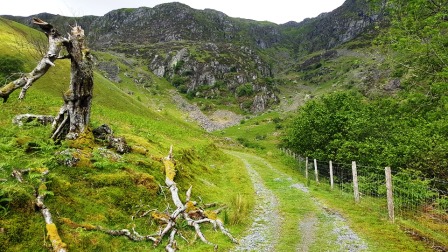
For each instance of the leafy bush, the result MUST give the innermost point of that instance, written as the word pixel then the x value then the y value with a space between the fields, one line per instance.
pixel 246 105
pixel 246 143
pixel 178 80
pixel 245 90
pixel 404 132
pixel 411 189
pixel 183 88
pixel 418 33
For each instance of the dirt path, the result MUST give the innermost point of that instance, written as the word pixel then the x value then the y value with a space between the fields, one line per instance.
pixel 263 233
pixel 266 230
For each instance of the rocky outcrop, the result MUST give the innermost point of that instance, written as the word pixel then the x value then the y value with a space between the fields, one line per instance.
pixel 110 70
pixel 208 54
pixel 217 121
pixel 105 135
pixel 208 63
pixel 329 30
pixel 178 22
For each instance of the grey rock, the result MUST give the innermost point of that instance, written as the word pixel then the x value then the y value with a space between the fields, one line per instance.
pixel 23 119
pixel 105 134
pixel 110 70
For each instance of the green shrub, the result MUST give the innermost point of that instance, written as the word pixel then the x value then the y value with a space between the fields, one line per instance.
pixel 178 80
pixel 244 90
pixel 410 189
pixel 183 88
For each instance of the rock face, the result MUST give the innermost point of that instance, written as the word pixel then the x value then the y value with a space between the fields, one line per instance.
pixel 110 69
pixel 208 54
pixel 217 121
pixel 329 30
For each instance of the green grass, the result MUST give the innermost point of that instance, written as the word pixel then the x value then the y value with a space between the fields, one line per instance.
pixel 105 191
pixel 109 192
pixel 364 218
pixel 367 219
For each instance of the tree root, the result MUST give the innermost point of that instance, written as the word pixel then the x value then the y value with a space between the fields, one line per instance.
pixel 130 234
pixel 52 231
pixel 193 215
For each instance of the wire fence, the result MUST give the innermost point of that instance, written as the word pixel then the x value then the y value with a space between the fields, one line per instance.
pixel 420 204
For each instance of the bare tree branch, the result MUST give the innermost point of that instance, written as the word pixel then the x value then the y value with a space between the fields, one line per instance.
pixel 55 44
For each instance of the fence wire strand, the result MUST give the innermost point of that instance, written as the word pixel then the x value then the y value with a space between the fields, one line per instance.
pixel 422 200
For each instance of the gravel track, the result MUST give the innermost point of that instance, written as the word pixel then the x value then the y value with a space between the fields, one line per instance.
pixel 264 232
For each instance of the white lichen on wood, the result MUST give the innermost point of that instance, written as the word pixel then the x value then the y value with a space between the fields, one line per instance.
pixel 193 215
pixel 74 116
pixel 41 191
pixel 56 42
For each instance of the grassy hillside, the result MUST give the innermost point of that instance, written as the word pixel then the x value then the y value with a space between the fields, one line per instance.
pixel 105 189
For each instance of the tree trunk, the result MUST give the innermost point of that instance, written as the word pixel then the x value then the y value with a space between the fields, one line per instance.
pixel 74 116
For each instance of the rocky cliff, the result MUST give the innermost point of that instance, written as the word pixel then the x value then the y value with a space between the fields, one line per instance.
pixel 208 54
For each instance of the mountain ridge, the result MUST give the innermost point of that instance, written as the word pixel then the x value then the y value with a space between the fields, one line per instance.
pixel 207 54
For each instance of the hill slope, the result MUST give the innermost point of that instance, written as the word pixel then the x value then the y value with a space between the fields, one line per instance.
pixel 208 55
pixel 104 188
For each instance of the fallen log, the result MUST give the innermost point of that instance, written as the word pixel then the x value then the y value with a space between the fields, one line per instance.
pixel 41 191
pixel 189 210
pixel 193 215
pixel 52 231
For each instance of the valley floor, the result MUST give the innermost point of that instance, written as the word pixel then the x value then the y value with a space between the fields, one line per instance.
pixel 287 218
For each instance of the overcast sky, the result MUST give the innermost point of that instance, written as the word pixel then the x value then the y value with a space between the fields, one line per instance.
pixel 277 11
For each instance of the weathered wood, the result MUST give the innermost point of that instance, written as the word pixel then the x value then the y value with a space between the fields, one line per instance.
pixel 41 191
pixel 193 215
pixel 55 44
pixel 74 116
pixel 18 174
pixel 23 119
pixel 52 231
pixel 316 172
pixel 189 209
pixel 131 235
pixel 171 246
pixel 355 182
pixel 331 175
pixel 306 168
pixel 390 196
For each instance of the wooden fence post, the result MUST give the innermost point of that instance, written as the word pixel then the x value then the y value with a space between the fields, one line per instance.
pixel 390 196
pixel 355 182
pixel 315 171
pixel 306 168
pixel 331 175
